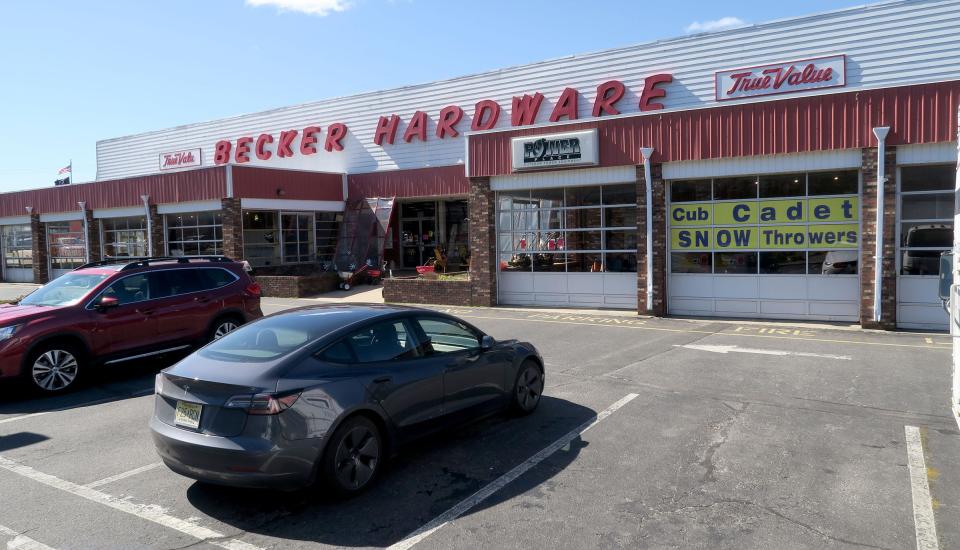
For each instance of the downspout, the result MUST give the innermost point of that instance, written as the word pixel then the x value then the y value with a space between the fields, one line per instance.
pixel 647 152
pixel 86 232
pixel 146 209
pixel 881 134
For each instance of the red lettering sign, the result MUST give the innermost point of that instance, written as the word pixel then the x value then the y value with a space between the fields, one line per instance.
pixel 386 127
pixel 417 127
pixel 485 108
pixel 260 150
pixel 309 140
pixel 449 117
pixel 335 133
pixel 608 93
pixel 796 76
pixel 566 106
pixel 525 109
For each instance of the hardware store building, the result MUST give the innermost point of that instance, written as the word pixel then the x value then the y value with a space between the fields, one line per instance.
pixel 732 174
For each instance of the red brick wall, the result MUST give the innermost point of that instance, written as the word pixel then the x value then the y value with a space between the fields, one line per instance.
pixel 232 229
pixel 659 242
pixel 296 286
pixel 41 273
pixel 888 304
pixel 428 291
pixel 483 241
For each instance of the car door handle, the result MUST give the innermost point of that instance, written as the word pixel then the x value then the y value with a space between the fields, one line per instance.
pixel 145 311
pixel 383 380
pixel 202 299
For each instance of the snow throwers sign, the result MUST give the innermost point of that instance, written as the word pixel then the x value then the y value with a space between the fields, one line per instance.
pixel 782 78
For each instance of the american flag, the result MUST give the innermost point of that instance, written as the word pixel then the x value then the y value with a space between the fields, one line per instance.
pixel 65 170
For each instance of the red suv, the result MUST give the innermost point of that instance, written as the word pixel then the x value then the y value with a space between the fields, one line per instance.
pixel 114 311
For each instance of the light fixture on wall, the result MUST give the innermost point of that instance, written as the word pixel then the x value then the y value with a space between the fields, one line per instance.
pixel 280 192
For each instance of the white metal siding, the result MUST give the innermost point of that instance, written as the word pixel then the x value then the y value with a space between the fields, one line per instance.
pixel 770 164
pixel 889 44
pixel 929 153
pixel 565 178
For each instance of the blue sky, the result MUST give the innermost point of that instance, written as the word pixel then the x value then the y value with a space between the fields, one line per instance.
pixel 75 72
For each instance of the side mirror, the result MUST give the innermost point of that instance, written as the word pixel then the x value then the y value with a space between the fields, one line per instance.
pixel 946 276
pixel 107 302
pixel 486 343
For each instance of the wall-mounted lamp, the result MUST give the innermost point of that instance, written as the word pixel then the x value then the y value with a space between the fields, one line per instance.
pixel 280 192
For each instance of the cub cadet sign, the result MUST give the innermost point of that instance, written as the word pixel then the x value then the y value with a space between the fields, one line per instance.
pixel 828 223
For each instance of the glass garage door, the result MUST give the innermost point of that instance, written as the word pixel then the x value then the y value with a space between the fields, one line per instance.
pixel 574 246
pixel 781 246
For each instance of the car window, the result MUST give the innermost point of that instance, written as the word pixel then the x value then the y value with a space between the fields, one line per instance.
pixel 262 341
pixel 338 353
pixel 215 278
pixel 63 291
pixel 175 281
pixel 384 341
pixel 448 336
pixel 135 288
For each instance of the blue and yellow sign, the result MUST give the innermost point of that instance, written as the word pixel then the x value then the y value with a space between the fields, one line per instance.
pixel 785 224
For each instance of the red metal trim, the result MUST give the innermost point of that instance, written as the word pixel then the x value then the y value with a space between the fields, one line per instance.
pixel 915 114
pixel 270 183
pixel 419 182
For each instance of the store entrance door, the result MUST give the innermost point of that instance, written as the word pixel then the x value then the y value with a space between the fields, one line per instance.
pixel 418 232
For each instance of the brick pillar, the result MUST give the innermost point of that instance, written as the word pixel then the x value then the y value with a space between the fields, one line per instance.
pixel 41 271
pixel 888 298
pixel 92 236
pixel 483 243
pixel 232 229
pixel 156 231
pixel 659 242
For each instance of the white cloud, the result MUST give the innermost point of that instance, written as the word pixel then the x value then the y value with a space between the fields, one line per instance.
pixel 310 7
pixel 728 22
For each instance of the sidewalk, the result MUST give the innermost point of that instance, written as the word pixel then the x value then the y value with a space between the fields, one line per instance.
pixel 14 291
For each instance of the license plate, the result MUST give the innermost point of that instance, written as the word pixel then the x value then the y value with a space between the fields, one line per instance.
pixel 188 414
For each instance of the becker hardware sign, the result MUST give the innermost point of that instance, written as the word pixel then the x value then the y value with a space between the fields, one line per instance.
pixel 781 78
pixel 569 149
pixel 180 159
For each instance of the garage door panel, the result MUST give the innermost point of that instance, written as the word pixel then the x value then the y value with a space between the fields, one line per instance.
pixel 777 286
pixel 776 307
pixel 560 299
pixel 922 316
pixel 622 302
pixel 736 306
pixel 701 305
pixel 921 290
pixel 732 286
pixel 620 283
pixel 835 309
pixel 516 282
pixel 841 288
pixel 550 282
pixel 691 285
pixel 585 283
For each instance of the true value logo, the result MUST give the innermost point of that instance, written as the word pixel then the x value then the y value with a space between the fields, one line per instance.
pixel 781 78
pixel 180 159
pixel 570 149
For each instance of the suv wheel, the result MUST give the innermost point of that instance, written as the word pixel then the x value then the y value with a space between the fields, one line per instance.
pixel 223 327
pixel 54 368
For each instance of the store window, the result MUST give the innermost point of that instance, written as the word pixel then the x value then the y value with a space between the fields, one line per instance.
pixel 781 224
pixel 17 247
pixel 125 237
pixel 194 234
pixel 926 217
pixel 67 244
pixel 328 227
pixel 261 240
pixel 576 229
pixel 298 238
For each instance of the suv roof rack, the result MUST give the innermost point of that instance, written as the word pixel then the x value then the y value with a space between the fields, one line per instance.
pixel 133 263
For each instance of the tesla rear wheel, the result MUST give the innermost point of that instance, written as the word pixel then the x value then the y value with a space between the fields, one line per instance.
pixel 528 388
pixel 354 456
pixel 54 369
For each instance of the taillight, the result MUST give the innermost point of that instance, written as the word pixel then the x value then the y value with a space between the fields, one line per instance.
pixel 263 403
pixel 254 289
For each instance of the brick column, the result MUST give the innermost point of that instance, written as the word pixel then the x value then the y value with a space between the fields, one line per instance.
pixel 156 231
pixel 92 236
pixel 888 303
pixel 659 242
pixel 483 243
pixel 41 271
pixel 232 229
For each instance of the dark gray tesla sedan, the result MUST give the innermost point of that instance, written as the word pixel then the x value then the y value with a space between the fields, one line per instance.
pixel 327 393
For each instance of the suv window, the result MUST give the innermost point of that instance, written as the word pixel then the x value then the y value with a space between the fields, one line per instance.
pixel 385 341
pixel 215 278
pixel 135 288
pixel 172 282
pixel 447 336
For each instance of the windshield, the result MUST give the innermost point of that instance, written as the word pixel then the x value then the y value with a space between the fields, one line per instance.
pixel 265 340
pixel 64 291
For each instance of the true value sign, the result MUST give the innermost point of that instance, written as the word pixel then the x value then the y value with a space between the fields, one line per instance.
pixel 781 78
pixel 180 159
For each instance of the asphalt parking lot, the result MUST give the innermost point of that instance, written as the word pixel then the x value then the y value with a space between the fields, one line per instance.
pixel 653 433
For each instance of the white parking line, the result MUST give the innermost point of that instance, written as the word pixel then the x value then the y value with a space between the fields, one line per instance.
pixel 124 475
pixel 21 542
pixel 476 498
pixel 78 406
pixel 923 518
pixel 142 511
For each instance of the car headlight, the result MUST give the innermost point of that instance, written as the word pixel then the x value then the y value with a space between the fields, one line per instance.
pixel 7 332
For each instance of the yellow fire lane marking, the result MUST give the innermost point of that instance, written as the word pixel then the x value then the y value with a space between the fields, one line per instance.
pixel 640 324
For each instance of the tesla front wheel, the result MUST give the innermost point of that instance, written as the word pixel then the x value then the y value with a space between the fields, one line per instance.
pixel 528 388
